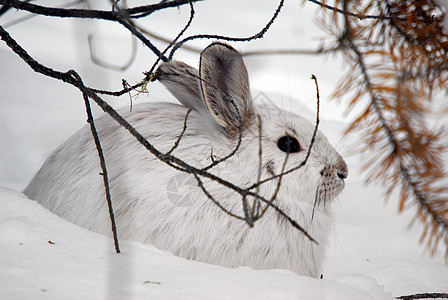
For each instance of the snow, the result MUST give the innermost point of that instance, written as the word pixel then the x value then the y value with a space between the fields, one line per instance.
pixel 50 258
pixel 372 254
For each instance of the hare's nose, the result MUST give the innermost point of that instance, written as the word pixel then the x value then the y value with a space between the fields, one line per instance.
pixel 339 169
pixel 342 175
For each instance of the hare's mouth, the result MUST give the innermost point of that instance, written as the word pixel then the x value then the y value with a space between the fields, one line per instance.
pixel 327 191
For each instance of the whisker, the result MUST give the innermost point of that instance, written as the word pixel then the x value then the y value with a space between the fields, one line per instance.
pixel 326 197
pixel 316 199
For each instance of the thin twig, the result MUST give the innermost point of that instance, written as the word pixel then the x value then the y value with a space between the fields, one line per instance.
pixel 106 65
pixel 104 173
pixel 424 296
pixel 239 142
pixel 116 16
pixel 31 15
pixel 110 66
pixel 206 192
pixel 318 51
pixel 279 182
pixel 150 73
pixel 313 139
pixel 141 37
pixel 125 90
pixel 166 40
pixel 293 223
pixel 89 13
pixel 4 9
pixel 190 20
pixel 176 144
pixel 247 214
pixel 260 165
pixel 347 13
pixel 258 35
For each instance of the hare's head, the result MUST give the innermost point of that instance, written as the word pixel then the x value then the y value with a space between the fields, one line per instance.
pixel 220 88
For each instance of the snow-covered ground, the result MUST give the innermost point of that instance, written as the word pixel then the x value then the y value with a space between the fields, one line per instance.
pixel 372 253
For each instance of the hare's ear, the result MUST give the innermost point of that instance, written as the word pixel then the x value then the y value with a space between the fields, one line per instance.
pixel 182 81
pixel 225 87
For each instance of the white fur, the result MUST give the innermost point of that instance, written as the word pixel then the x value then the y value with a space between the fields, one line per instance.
pixel 69 184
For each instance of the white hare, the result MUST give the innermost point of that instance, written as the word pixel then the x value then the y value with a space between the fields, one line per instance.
pixel 156 204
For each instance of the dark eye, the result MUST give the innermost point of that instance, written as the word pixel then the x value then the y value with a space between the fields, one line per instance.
pixel 288 144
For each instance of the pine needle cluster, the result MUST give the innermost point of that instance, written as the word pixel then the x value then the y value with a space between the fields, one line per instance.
pixel 397 53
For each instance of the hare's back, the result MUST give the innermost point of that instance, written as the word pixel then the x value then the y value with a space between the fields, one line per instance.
pixel 70 182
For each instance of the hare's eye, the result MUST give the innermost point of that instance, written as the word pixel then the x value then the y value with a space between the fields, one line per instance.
pixel 288 144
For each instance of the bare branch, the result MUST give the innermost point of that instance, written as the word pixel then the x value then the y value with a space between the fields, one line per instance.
pixel 274 196
pixel 282 173
pixel 117 16
pixel 424 296
pixel 256 203
pixel 204 190
pixel 176 144
pixel 87 13
pixel 5 8
pixel 347 13
pixel 238 144
pixel 110 66
pixel 104 173
pixel 227 38
pixel 319 51
pixel 313 139
pixel 165 40
pixel 190 20
pixel 292 222
pixel 149 74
